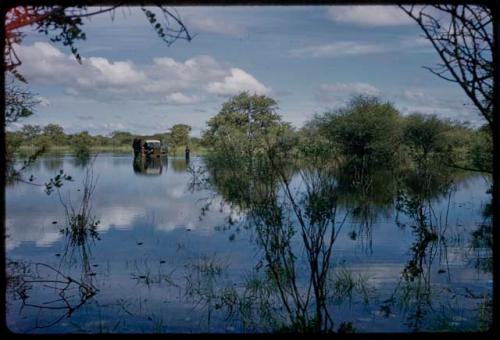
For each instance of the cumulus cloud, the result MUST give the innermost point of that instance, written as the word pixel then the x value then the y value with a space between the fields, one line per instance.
pixel 237 81
pixel 341 91
pixel 164 80
pixel 338 49
pixel 369 15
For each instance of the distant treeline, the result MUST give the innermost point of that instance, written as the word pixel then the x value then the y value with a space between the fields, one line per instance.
pixel 367 128
pixel 52 137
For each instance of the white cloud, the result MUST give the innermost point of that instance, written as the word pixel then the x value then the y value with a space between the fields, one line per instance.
pixel 338 49
pixel 341 91
pixel 26 228
pixel 164 80
pixel 117 217
pixel 370 15
pixel 117 73
pixel 178 98
pixel 237 82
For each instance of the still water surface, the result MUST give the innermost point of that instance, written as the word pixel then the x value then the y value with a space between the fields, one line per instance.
pixel 160 265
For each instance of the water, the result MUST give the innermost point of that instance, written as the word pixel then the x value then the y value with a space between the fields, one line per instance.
pixel 161 265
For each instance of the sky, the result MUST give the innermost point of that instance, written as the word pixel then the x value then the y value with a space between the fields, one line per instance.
pixel 310 59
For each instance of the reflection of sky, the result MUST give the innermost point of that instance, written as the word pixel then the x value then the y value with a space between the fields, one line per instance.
pixel 162 201
pixel 148 219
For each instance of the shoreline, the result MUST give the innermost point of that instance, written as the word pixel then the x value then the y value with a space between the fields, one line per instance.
pixel 24 151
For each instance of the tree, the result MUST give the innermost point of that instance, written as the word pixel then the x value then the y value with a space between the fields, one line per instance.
pixel 425 134
pixel 55 133
pixel 122 137
pixel 480 152
pixel 30 132
pixel 250 115
pixel 465 46
pixel 178 136
pixel 13 141
pixel 462 35
pixel 101 140
pixel 251 164
pixel 19 103
pixel 80 143
pixel 366 131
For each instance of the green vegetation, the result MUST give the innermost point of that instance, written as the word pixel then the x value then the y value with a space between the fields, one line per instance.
pixel 53 140
pixel 361 157
pixel 366 130
pixel 297 188
pixel 178 136
pixel 366 133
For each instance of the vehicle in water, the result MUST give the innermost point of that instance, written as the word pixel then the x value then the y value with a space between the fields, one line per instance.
pixel 148 147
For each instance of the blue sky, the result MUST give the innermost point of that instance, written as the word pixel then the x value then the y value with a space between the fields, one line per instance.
pixel 309 58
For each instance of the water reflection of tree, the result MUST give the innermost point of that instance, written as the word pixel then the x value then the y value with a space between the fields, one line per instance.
pixel 52 293
pixel 65 293
pixel 369 191
pixel 288 200
pixel 291 188
pixel 179 164
pixel 81 225
pixel 481 246
pixel 81 161
pixel 415 295
pixel 53 163
pixel 287 215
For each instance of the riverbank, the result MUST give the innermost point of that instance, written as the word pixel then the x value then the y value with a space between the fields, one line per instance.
pixel 24 151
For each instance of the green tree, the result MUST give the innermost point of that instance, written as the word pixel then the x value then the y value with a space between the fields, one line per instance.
pixel 121 138
pixel 44 142
pixel 101 140
pixel 30 133
pixel 80 143
pixel 244 116
pixel 430 138
pixel 366 131
pixel 245 137
pixel 425 135
pixel 178 136
pixel 480 152
pixel 13 141
pixel 55 133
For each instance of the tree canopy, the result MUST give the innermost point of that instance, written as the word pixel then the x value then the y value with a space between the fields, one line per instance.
pixel 366 129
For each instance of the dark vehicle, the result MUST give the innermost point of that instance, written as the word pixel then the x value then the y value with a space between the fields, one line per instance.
pixel 148 147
